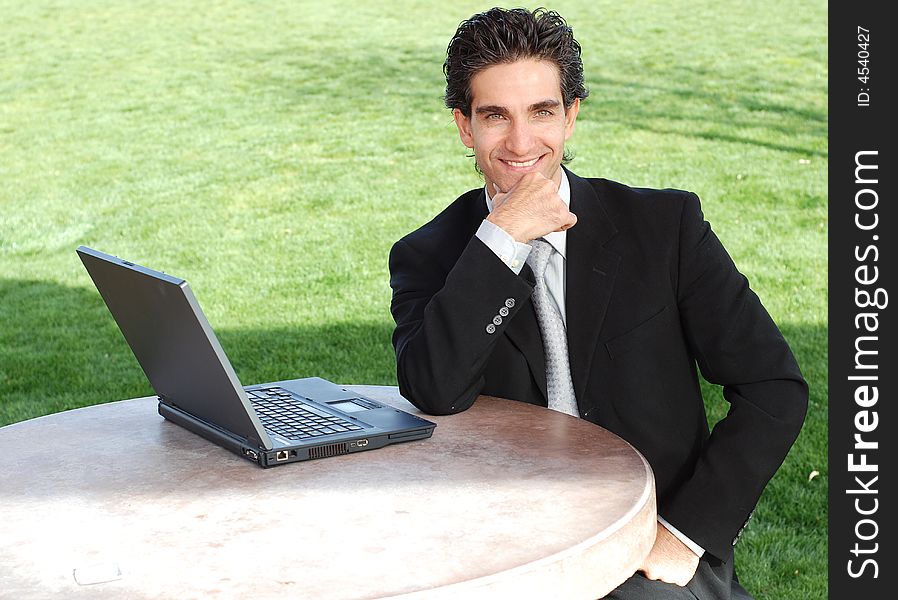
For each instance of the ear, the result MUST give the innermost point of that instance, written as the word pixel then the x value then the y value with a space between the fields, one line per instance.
pixel 464 127
pixel 570 118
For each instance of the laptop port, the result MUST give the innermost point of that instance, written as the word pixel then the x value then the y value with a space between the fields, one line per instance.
pixel 251 454
pixel 282 455
pixel 361 443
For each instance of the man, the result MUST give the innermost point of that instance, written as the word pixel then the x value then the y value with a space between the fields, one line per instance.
pixel 624 292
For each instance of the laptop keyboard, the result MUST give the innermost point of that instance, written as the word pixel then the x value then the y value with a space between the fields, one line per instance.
pixel 285 414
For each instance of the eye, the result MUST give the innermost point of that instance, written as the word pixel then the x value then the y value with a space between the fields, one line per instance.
pixel 544 113
pixel 495 117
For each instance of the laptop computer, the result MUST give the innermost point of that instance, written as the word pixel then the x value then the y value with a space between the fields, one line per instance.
pixel 269 424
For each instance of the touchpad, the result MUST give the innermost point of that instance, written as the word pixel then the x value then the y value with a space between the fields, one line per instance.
pixel 352 405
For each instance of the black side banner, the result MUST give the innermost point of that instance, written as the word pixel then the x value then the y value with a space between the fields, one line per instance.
pixel 863 299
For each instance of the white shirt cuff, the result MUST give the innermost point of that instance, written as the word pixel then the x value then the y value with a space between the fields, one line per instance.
pixel 689 543
pixel 512 253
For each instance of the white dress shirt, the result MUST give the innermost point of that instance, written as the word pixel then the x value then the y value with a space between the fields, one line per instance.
pixel 514 254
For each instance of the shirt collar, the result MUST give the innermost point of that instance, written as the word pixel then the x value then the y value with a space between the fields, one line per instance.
pixel 558 239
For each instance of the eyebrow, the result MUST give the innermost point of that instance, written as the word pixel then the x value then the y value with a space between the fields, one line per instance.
pixel 544 105
pixel 491 109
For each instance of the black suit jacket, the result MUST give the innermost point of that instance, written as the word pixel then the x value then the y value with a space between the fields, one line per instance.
pixel 650 294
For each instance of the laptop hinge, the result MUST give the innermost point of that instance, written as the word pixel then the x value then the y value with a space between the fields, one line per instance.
pixel 251 441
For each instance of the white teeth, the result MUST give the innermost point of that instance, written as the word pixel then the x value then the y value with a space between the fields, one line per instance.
pixel 522 164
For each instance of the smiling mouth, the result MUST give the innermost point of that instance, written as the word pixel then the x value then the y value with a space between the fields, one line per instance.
pixel 521 165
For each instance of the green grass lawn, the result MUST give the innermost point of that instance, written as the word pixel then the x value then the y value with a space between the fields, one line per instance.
pixel 271 152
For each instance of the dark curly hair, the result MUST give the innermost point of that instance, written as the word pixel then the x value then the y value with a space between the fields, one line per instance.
pixel 500 36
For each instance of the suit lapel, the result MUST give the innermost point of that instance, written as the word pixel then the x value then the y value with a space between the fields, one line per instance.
pixel 476 212
pixel 590 273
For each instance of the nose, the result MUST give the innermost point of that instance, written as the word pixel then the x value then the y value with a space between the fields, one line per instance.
pixel 520 138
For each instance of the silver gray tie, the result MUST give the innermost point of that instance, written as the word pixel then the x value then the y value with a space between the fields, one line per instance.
pixel 558 368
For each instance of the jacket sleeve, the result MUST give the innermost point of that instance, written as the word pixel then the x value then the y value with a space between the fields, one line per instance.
pixel 736 345
pixel 446 321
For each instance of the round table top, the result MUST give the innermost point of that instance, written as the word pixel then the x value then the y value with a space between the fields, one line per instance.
pixel 505 500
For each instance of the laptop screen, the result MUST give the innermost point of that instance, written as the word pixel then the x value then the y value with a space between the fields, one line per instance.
pixel 174 343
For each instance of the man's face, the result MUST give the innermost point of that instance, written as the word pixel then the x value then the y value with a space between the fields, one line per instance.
pixel 518 123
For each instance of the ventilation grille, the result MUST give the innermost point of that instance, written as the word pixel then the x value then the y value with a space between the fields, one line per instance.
pixel 329 450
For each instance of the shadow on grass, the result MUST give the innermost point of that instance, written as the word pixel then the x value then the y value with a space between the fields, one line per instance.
pixel 715 114
pixel 60 349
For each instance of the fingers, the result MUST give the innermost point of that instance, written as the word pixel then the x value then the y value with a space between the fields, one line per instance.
pixel 531 208
pixel 499 197
pixel 570 221
pixel 676 577
pixel 669 560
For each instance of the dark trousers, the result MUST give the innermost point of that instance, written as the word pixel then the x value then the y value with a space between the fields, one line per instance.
pixel 713 580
